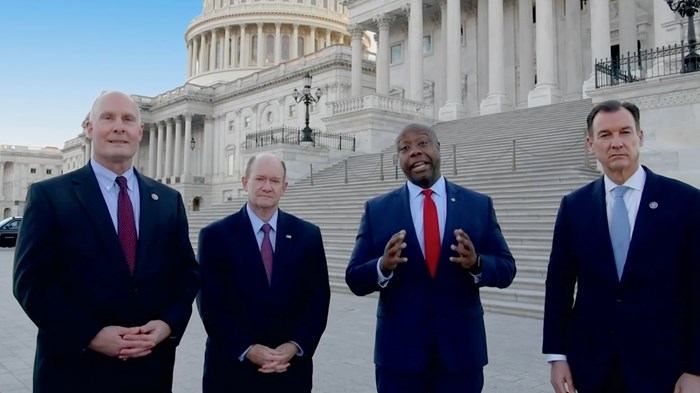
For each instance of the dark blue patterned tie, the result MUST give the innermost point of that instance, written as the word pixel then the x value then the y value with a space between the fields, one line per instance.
pixel 126 224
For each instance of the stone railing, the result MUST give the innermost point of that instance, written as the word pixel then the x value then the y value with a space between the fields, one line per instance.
pixel 313 11
pixel 186 90
pixel 381 103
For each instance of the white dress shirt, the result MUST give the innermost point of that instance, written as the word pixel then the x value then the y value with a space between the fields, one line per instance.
pixel 110 191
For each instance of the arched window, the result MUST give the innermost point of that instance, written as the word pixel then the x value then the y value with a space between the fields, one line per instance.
pixel 269 49
pixel 300 47
pixel 285 47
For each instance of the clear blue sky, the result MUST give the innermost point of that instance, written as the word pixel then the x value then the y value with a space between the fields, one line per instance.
pixel 58 55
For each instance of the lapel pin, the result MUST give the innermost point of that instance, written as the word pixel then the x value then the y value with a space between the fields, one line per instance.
pixel 154 196
pixel 653 205
pixel 288 236
pixel 453 200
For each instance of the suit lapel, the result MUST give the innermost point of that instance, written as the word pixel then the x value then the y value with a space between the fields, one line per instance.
pixel 403 206
pixel 248 248
pixel 599 229
pixel 283 246
pixel 87 190
pixel 148 221
pixel 643 225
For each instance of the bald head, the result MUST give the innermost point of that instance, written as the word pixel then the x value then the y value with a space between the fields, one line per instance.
pixel 97 105
pixel 267 157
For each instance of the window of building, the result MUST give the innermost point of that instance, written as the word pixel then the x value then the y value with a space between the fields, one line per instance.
pixel 292 111
pixel 269 117
pixel 300 46
pixel 397 53
pixel 313 2
pixel 285 47
pixel 32 170
pixel 48 171
pixel 269 49
pixel 231 158
pixel 462 36
pixel 246 122
pixel 427 45
pixel 325 3
pixel 231 126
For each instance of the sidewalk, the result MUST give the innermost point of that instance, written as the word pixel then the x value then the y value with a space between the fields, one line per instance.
pixel 343 361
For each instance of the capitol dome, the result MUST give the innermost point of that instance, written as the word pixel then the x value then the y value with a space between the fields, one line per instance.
pixel 224 43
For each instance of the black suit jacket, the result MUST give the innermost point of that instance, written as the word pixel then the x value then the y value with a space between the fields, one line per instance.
pixel 71 278
pixel 240 308
pixel 650 319
pixel 418 315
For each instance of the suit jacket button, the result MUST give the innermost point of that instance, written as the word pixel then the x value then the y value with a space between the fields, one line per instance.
pixel 619 300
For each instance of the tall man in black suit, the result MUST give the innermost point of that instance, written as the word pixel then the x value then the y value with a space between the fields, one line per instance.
pixel 629 242
pixel 427 247
pixel 104 267
pixel 265 291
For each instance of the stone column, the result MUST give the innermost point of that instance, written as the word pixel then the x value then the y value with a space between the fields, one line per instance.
pixel 159 151
pixel 152 155
pixel 327 43
pixel 496 101
pixel 186 170
pixel 196 64
pixel 261 46
pixel 177 156
pixel 207 148
pixel 627 18
pixel 168 147
pixel 312 39
pixel 356 63
pixel 227 51
pixel 454 107
pixel 546 91
pixel 245 52
pixel 2 180
pixel 415 50
pixel 600 38
pixel 482 50
pixel 574 71
pixel 88 150
pixel 135 159
pixel 295 42
pixel 202 53
pixel 212 51
pixel 189 58
pixel 278 43
pixel 383 53
pixel 525 50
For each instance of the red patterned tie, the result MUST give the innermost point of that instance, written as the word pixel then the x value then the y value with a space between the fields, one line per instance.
pixel 431 231
pixel 266 251
pixel 126 224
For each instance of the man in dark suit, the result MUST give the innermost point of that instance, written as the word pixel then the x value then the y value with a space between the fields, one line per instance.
pixel 428 247
pixel 629 242
pixel 111 298
pixel 265 292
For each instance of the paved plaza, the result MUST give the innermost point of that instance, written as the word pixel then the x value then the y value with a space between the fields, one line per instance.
pixel 343 362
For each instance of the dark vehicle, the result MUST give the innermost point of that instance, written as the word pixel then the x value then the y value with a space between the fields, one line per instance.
pixel 9 228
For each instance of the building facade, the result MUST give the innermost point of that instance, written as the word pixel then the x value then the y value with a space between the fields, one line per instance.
pixel 20 166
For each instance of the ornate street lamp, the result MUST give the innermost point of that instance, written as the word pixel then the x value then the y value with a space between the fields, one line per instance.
pixel 688 8
pixel 307 98
pixel 192 143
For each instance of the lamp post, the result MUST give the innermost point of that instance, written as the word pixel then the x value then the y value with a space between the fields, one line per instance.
pixel 192 143
pixel 688 8
pixel 307 98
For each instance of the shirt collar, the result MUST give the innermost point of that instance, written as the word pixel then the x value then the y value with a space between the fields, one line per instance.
pixel 257 222
pixel 439 189
pixel 635 182
pixel 107 179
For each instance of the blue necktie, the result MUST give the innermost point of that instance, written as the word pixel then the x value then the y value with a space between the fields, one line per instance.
pixel 619 228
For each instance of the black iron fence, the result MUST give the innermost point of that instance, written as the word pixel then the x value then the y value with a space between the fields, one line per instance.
pixel 649 63
pixel 293 136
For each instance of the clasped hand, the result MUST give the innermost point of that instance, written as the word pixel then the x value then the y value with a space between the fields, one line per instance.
pixel 272 360
pixel 130 342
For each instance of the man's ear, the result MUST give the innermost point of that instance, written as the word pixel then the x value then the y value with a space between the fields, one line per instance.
pixel 641 137
pixel 244 180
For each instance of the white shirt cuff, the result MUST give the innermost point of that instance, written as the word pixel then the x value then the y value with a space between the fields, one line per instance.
pixel 382 280
pixel 553 357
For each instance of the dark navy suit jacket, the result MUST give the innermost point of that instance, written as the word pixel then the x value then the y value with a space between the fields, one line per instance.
pixel 71 278
pixel 418 315
pixel 650 319
pixel 239 308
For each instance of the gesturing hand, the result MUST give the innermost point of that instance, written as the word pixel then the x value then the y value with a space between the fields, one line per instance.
pixel 392 251
pixel 466 254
